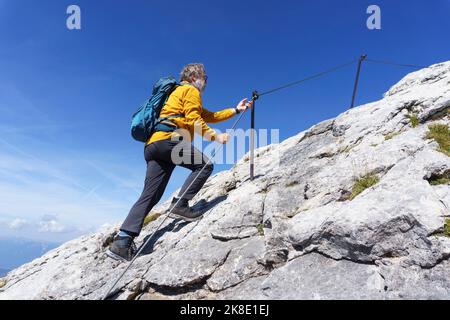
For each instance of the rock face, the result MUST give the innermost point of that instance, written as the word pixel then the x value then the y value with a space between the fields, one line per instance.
pixel 293 232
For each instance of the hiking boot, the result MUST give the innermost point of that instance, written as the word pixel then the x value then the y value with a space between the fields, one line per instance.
pixel 183 211
pixel 122 248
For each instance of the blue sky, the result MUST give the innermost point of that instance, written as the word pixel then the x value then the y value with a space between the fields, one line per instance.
pixel 67 161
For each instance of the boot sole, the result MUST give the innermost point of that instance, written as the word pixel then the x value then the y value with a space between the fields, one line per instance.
pixel 114 256
pixel 177 216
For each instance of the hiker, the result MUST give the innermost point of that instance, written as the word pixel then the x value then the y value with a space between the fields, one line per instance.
pixel 185 101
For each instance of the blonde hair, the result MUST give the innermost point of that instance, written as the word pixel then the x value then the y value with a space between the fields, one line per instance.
pixel 190 70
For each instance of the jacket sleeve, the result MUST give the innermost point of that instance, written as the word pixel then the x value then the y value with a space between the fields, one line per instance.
pixel 218 116
pixel 192 106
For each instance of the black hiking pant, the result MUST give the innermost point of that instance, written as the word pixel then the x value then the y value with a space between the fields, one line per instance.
pixel 160 165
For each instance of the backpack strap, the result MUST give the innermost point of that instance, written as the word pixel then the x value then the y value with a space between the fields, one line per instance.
pixel 160 126
pixel 170 117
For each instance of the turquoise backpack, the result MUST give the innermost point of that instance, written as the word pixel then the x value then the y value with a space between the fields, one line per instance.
pixel 146 119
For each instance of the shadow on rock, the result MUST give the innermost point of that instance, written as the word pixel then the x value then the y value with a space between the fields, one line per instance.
pixel 254 178
pixel 203 205
pixel 178 224
pixel 158 234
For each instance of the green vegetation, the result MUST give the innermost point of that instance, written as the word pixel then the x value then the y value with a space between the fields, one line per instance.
pixel 291 183
pixel 362 183
pixel 447 228
pixel 347 149
pixel 441 134
pixel 438 181
pixel 389 136
pixel 413 119
pixel 151 217
pixel 260 228
pixel 446 232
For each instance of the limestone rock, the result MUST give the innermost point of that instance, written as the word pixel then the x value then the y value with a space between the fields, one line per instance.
pixel 292 233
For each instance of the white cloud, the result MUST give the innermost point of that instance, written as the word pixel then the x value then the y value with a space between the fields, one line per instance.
pixel 51 224
pixel 17 224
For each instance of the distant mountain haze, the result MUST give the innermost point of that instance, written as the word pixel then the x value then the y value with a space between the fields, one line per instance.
pixel 3 272
pixel 14 252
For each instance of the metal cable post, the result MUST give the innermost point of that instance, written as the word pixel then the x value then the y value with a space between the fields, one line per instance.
pixel 361 59
pixel 255 97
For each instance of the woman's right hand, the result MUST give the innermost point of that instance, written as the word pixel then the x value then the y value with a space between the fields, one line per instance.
pixel 244 104
pixel 222 138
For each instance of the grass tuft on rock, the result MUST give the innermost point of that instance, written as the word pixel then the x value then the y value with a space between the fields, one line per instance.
pixel 446 232
pixel 362 183
pixel 447 227
pixel 413 119
pixel 292 183
pixel 260 228
pixel 391 135
pixel 151 217
pixel 439 181
pixel 441 134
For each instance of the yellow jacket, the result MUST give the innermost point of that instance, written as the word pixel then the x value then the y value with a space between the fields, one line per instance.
pixel 186 100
